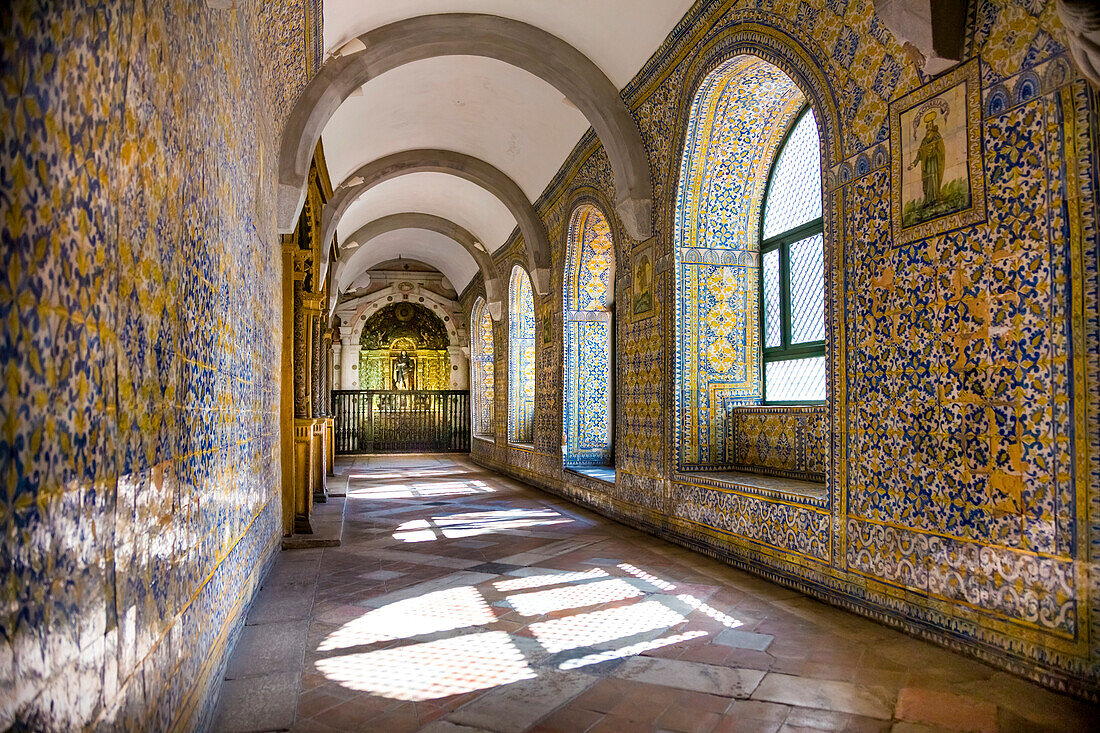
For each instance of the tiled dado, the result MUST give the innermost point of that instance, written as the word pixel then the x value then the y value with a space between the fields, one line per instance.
pixel 1022 587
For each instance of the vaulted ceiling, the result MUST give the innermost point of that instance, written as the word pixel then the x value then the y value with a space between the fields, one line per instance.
pixel 521 116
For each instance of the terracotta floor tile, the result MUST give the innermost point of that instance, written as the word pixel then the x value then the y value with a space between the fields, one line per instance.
pixel 704 702
pixel 735 724
pixel 568 720
pixel 946 710
pixel 616 724
pixel 688 720
pixel 315 701
pixel 602 696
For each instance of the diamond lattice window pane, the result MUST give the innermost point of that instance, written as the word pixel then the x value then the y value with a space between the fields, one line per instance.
pixel 808 290
pixel 795 380
pixel 773 334
pixel 794 195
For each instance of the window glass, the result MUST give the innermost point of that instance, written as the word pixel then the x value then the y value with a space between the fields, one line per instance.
pixel 773 323
pixel 795 380
pixel 808 290
pixel 794 194
pixel 792 298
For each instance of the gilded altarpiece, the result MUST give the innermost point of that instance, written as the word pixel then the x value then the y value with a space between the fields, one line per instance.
pixel 404 347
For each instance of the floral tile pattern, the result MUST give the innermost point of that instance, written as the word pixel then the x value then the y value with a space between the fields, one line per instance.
pixel 140 351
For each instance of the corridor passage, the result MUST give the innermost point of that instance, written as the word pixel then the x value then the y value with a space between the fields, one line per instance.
pixel 461 600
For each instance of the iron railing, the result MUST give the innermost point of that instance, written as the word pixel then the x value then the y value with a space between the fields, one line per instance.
pixel 392 421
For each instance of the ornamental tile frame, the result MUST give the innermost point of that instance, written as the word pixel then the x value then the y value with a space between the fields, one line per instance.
pixel 586 364
pixel 975 350
pixel 482 369
pixel 951 171
pixel 521 358
pixel 740 113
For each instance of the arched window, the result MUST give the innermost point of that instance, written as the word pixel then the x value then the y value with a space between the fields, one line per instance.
pixel 792 257
pixel 481 368
pixel 521 358
pixel 740 116
pixel 589 263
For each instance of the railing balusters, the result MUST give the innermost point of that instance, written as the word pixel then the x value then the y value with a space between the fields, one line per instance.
pixel 377 421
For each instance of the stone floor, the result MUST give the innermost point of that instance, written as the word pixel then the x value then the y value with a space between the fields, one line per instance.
pixel 462 601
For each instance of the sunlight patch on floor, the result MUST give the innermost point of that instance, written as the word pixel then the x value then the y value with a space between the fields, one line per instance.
pixel 708 610
pixel 629 650
pixel 542 602
pixel 472 524
pixel 432 670
pixel 647 577
pixel 597 627
pixel 421 490
pixel 444 610
pixel 537 581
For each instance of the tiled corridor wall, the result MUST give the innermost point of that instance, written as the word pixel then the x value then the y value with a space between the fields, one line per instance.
pixel 140 352
pixel 962 466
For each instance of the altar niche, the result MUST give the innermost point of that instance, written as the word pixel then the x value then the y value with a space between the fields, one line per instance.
pixel 404 348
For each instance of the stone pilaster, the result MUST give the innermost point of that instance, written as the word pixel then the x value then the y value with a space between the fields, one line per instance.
pixel 459 357
pixel 349 359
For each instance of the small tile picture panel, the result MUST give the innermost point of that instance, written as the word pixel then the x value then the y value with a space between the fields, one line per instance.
pixel 641 288
pixel 936 156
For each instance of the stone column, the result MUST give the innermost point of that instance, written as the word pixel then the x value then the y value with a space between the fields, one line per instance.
pixel 318 365
pixel 330 381
pixel 330 448
pixel 337 370
pixel 317 387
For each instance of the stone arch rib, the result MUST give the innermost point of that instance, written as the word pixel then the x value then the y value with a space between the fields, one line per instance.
pixel 464 166
pixel 470 34
pixel 430 222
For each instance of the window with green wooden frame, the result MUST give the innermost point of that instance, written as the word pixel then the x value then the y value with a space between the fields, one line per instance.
pixel 792 270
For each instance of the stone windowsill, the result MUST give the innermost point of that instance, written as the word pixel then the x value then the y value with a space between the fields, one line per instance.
pixel 596 473
pixel 777 486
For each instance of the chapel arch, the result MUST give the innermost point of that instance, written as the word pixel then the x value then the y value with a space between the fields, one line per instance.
pixel 461 165
pixel 432 223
